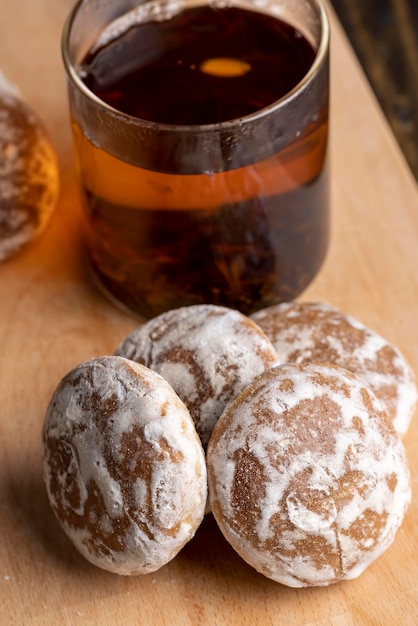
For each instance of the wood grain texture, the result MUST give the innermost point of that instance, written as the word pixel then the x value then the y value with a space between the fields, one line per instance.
pixel 52 318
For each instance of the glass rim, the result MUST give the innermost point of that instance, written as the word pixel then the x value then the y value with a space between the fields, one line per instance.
pixel 73 75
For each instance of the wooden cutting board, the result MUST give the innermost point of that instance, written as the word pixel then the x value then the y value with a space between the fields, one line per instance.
pixel 52 318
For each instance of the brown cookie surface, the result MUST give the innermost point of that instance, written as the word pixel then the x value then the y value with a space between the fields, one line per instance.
pixel 303 332
pixel 308 480
pixel 124 468
pixel 28 173
pixel 207 353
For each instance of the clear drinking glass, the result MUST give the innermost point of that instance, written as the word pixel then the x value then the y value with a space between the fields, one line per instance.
pixel 232 212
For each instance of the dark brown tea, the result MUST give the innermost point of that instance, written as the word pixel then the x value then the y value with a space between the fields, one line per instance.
pixel 247 233
pixel 202 66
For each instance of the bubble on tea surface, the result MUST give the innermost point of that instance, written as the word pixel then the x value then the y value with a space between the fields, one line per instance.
pixel 29 178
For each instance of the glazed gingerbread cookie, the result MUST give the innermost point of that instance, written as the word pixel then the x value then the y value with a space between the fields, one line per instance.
pixel 304 332
pixel 207 353
pixel 29 177
pixel 307 477
pixel 124 468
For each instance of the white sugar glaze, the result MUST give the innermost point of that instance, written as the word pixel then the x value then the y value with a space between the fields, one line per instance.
pixel 28 172
pixel 207 353
pixel 160 510
pixel 317 331
pixel 307 462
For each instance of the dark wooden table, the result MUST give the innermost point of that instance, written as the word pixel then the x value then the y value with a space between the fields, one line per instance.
pixel 384 35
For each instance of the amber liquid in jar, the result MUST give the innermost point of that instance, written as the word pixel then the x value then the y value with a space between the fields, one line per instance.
pixel 245 237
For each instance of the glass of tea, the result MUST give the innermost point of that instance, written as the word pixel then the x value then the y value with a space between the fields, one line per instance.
pixel 200 133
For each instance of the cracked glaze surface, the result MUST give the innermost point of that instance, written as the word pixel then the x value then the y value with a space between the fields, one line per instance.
pixel 303 332
pixel 124 468
pixel 308 480
pixel 207 353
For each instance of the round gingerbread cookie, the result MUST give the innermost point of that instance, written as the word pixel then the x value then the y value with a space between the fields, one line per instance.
pixel 207 353
pixel 124 468
pixel 29 177
pixel 305 332
pixel 308 479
